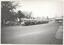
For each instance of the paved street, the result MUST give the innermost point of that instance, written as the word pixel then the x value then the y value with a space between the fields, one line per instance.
pixel 35 34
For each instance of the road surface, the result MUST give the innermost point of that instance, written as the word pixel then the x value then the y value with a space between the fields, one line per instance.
pixel 35 34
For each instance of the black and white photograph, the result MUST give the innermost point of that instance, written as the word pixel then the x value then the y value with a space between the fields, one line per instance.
pixel 32 22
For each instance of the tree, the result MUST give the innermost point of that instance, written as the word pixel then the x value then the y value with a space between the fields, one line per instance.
pixel 6 11
pixel 20 14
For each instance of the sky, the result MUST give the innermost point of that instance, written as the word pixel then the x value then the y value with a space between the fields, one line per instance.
pixel 40 8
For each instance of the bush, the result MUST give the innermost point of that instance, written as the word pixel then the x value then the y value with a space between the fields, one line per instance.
pixel 11 23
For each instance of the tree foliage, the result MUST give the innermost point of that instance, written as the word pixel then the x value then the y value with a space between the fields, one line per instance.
pixel 6 10
pixel 20 14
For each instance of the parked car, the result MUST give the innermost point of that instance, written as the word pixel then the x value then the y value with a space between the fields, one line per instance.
pixel 59 20
pixel 29 23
